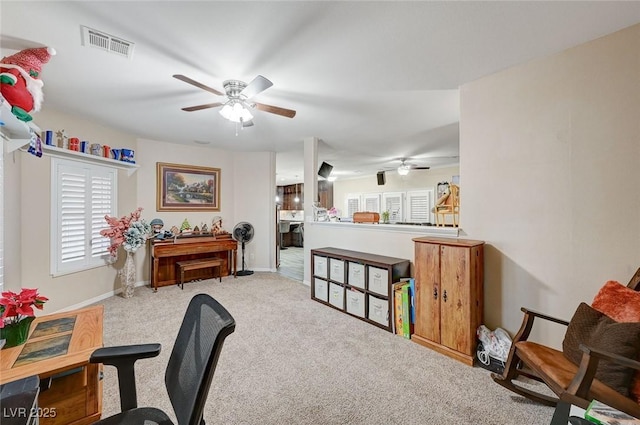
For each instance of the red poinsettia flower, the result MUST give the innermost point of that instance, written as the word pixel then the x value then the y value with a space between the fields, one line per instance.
pixel 15 307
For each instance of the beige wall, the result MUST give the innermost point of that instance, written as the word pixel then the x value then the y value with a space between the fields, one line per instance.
pixel 549 164
pixel 27 228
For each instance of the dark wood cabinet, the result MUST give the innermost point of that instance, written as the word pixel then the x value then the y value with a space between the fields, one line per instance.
pixel 288 194
pixel 357 283
pixel 325 194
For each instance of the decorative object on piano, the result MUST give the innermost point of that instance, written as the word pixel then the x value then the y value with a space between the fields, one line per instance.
pixel 196 230
pixel 156 225
pixel 16 315
pixel 130 232
pixel 175 231
pixel 20 84
pixel 187 188
pixel 185 226
pixel 204 228
pixel 216 225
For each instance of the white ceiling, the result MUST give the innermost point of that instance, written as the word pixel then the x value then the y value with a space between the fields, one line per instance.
pixel 374 81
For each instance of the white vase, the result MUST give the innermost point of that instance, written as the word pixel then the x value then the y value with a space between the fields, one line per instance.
pixel 128 276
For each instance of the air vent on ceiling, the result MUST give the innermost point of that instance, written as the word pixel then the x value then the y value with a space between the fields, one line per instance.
pixel 106 42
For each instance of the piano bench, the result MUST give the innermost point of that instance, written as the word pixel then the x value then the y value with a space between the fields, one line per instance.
pixel 197 264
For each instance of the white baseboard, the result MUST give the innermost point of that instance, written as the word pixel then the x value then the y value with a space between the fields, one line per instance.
pixel 99 298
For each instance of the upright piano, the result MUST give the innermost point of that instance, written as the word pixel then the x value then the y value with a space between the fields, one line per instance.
pixel 166 252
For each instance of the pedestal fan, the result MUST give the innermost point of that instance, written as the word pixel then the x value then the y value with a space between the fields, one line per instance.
pixel 243 233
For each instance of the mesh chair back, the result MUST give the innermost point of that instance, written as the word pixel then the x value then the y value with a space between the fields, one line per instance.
pixel 195 354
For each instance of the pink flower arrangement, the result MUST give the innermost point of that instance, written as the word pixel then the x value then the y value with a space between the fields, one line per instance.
pixel 15 307
pixel 118 228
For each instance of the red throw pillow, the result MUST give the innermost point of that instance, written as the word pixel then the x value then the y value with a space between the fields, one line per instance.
pixel 622 304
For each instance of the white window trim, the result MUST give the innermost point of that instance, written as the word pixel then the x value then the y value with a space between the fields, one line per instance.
pixel 367 197
pixel 88 261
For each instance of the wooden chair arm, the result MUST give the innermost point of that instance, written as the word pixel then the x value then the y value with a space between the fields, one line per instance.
pixel 589 365
pixel 527 323
pixel 544 316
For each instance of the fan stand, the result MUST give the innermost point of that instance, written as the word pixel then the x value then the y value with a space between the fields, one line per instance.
pixel 244 272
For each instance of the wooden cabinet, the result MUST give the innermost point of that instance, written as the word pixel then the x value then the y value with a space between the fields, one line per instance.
pixel 325 194
pixel 289 193
pixel 449 295
pixel 357 283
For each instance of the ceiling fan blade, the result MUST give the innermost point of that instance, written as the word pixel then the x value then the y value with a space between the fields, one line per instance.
pixel 197 84
pixel 199 107
pixel 258 85
pixel 247 124
pixel 289 113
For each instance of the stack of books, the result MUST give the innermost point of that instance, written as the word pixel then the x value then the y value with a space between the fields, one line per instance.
pixel 404 313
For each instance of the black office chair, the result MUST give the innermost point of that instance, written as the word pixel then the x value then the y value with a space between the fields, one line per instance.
pixel 189 372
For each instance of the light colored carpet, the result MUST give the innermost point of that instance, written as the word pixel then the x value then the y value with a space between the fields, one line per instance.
pixel 292 360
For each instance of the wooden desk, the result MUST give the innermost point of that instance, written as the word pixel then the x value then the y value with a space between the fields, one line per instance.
pixel 165 254
pixel 58 349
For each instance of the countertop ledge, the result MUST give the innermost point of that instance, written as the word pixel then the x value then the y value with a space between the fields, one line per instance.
pixel 452 232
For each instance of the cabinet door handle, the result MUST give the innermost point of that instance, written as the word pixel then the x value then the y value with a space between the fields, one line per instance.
pixel 444 296
pixel 435 292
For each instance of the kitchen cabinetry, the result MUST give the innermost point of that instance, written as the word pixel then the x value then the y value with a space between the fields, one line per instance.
pixel 289 195
pixel 449 295
pixel 357 283
pixel 325 194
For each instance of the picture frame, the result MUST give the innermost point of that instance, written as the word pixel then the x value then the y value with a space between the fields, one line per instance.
pixel 187 187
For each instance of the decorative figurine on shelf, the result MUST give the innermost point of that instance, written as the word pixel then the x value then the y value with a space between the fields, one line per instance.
pixel 204 228
pixel 175 231
pixel 185 227
pixel 196 230
pixel 20 84
pixel 62 140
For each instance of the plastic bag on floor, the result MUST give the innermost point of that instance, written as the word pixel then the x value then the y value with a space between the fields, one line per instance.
pixel 493 345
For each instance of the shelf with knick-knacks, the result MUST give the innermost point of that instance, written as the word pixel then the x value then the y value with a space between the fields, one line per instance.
pixel 17 135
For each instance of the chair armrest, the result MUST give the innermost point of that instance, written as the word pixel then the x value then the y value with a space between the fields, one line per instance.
pixel 526 311
pixel 583 379
pixel 109 355
pixel 124 358
pixel 527 323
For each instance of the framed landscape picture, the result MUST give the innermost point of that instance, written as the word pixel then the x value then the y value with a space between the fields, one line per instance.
pixel 187 188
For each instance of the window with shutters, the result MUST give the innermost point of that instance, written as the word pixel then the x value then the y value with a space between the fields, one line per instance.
pixel 82 194
pixel 419 204
pixel 393 202
pixel 371 202
pixel 352 205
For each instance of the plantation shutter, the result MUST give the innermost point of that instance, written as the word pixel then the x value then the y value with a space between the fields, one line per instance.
pixel 419 206
pixel 372 202
pixel 392 202
pixel 352 204
pixel 83 195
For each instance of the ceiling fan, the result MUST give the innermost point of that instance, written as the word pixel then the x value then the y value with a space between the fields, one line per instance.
pixel 405 167
pixel 238 103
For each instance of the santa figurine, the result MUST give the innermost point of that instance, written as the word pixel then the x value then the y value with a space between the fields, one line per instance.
pixel 20 82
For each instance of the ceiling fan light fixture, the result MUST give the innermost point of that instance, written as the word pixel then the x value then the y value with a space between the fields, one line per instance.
pixel 235 111
pixel 403 169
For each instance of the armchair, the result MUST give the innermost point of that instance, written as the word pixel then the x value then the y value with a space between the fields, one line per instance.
pixel 577 382
pixel 189 372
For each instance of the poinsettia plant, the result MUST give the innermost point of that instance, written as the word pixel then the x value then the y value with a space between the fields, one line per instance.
pixel 129 231
pixel 15 307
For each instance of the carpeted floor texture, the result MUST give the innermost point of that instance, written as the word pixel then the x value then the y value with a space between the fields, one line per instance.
pixel 292 360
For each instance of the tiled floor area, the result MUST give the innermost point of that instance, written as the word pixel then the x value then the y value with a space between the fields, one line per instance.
pixel 292 263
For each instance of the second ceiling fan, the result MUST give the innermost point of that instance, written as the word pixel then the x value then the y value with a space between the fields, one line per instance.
pixel 238 103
